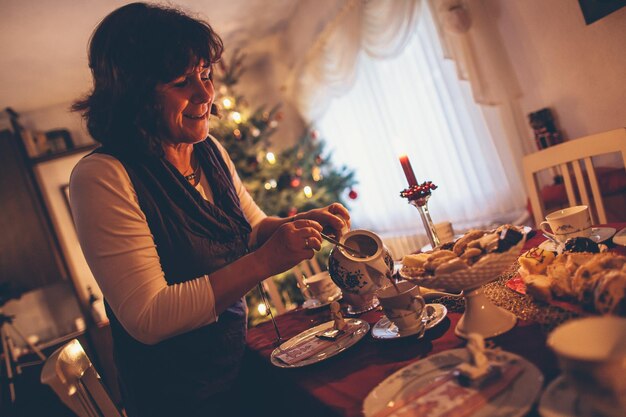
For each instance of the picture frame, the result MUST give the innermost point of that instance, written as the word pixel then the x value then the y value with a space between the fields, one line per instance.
pixel 59 140
pixel 65 190
pixel 594 10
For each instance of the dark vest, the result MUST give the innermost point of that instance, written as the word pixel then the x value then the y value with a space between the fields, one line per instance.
pixel 186 374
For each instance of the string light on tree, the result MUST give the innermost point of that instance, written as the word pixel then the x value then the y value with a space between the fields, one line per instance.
pixel 236 117
pixel 271 158
pixel 316 173
pixel 228 103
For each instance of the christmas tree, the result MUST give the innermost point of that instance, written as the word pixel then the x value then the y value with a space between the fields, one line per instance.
pixel 282 183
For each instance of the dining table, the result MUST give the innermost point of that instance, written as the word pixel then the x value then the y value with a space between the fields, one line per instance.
pixel 338 386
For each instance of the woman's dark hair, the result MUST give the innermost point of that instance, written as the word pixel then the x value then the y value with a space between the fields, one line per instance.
pixel 132 50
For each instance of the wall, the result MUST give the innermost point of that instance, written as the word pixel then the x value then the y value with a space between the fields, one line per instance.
pixel 577 70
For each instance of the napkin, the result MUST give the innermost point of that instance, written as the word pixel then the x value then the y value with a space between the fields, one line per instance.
pixel 444 397
pixel 312 345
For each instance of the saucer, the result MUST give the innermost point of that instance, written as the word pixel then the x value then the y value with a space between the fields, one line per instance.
pixel 600 234
pixel 314 303
pixel 620 238
pixel 385 329
pixel 560 399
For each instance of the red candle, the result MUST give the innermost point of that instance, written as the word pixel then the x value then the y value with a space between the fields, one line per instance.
pixel 408 170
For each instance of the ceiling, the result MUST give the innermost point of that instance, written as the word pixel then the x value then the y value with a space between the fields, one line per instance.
pixel 43 44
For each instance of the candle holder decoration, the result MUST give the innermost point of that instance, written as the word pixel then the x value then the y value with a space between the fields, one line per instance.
pixel 418 196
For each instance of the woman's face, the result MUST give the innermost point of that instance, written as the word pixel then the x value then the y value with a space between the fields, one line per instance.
pixel 186 105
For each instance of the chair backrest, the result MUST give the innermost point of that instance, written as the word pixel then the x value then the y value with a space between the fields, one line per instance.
pixel 72 376
pixel 572 154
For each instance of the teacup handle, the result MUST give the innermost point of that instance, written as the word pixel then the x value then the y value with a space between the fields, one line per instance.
pixel 542 226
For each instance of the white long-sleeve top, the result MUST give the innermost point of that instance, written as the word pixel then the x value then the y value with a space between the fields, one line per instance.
pixel 121 252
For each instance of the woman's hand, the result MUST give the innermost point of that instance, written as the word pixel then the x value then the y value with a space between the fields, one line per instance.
pixel 335 218
pixel 289 245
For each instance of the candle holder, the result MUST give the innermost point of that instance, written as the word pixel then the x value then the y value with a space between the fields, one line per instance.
pixel 418 196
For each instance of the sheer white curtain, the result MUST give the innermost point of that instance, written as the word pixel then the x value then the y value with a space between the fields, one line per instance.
pixel 410 102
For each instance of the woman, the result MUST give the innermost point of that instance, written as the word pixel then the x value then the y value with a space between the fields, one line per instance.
pixel 167 228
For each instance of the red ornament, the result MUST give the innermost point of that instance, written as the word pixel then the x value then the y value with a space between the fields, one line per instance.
pixel 295 182
pixel 314 134
pixel 318 159
pixel 353 195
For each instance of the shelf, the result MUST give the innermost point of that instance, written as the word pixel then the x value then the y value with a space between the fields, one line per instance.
pixel 49 157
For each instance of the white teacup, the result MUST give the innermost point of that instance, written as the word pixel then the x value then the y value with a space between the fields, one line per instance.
pixel 592 356
pixel 567 223
pixel 403 305
pixel 319 286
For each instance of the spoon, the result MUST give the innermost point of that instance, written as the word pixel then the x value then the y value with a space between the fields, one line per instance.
pixel 348 248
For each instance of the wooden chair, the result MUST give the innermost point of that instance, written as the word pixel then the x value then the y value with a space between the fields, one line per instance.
pixel 568 157
pixel 305 268
pixel 72 376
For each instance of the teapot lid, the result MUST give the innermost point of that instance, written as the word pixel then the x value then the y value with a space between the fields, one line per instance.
pixel 364 241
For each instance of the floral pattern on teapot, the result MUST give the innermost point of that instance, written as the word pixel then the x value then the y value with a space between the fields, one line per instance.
pixel 355 279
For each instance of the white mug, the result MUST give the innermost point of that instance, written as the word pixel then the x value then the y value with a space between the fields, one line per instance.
pixel 403 305
pixel 567 223
pixel 592 355
pixel 319 286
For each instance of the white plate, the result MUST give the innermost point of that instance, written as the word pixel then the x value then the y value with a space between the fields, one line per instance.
pixel 313 304
pixel 600 234
pixel 384 329
pixel 515 401
pixel 620 237
pixel 561 400
pixel 332 349
pixel 551 246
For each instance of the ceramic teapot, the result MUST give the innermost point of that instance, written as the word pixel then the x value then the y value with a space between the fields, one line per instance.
pixel 360 275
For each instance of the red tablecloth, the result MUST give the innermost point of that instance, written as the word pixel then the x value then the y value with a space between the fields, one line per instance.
pixel 338 386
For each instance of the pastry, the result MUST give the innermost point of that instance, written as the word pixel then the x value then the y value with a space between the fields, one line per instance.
pixel 461 244
pixel 610 294
pixel 535 261
pixel 581 244
pixel 416 260
pixel 432 265
pixel 509 237
pixel 539 287
pixel 560 280
pixel 453 265
pixel 489 242
pixel 471 254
